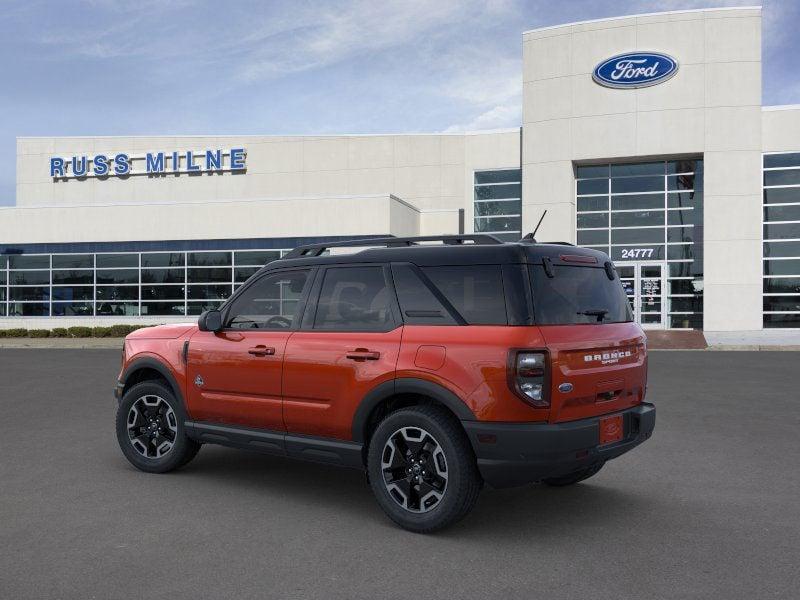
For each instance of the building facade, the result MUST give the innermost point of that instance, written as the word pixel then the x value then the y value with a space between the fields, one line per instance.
pixel 642 136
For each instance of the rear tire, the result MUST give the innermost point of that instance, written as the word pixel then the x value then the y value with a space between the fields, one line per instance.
pixel 422 469
pixel 573 478
pixel 150 429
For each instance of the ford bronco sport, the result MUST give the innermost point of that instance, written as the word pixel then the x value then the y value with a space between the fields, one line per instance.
pixel 433 367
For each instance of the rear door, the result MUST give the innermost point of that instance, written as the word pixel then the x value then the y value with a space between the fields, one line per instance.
pixel 349 343
pixel 234 375
pixel 597 353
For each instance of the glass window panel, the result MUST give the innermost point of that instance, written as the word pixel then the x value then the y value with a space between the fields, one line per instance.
pixel 680 234
pixel 776 321
pixel 118 276
pixel 782 160
pixel 162 308
pixel 782 231
pixel 788 177
pixel 2 277
pixel 782 267
pixel 490 192
pixel 593 203
pixel 637 219
pixel 209 259
pixel 163 259
pixel 593 237
pixel 2 294
pixel 680 252
pixel 29 293
pixel 271 302
pixel 208 275
pixel 112 261
pixel 499 176
pixel 163 275
pixel 782 195
pixel 782 303
pixel 73 276
pixel 418 304
pixel 651 168
pixel 684 166
pixel 354 299
pixel 782 285
pixel 592 171
pixel 625 271
pixel 684 286
pixel 3 261
pixel 685 199
pixel 488 209
pixel 683 182
pixel 683 217
pixel 27 261
pixel 196 308
pixel 2 310
pixel 686 321
pixel 593 186
pixel 637 236
pixel 637 184
pixel 498 224
pixel 73 309
pixel 241 274
pixel 29 277
pixel 256 258
pixel 782 213
pixel 637 202
pixel 28 309
pixel 593 220
pixel 209 292
pixel 73 261
pixel 476 292
pixel 117 309
pixel 681 269
pixel 694 304
pixel 162 292
pixel 120 292
pixel 72 292
pixel 781 249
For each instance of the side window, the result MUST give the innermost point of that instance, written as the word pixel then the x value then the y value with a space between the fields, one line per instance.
pixel 354 298
pixel 272 302
pixel 476 292
pixel 418 304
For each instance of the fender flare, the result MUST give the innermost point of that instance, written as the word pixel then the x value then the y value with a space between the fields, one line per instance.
pixel 147 362
pixel 406 385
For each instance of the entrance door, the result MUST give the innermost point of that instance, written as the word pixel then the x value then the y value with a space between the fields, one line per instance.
pixel 644 286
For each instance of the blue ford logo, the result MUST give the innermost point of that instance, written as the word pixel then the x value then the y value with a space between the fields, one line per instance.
pixel 635 70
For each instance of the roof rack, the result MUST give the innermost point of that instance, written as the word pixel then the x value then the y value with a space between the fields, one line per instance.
pixel 312 250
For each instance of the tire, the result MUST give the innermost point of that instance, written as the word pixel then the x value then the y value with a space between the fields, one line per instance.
pixel 439 496
pixel 575 477
pixel 158 418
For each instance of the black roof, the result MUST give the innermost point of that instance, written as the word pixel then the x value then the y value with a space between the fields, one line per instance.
pixel 453 250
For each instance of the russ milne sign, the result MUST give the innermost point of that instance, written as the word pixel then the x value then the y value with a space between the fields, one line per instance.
pixel 151 163
pixel 635 70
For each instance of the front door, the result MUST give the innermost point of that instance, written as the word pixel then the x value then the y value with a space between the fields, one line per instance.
pixel 234 375
pixel 644 286
pixel 348 344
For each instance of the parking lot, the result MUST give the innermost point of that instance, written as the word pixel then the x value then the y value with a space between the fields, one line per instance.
pixel 707 508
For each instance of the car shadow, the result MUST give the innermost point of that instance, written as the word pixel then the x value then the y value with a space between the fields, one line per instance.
pixel 534 510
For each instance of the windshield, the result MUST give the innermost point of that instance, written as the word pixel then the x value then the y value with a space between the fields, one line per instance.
pixel 577 295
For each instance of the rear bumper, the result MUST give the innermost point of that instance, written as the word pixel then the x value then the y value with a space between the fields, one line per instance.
pixel 528 452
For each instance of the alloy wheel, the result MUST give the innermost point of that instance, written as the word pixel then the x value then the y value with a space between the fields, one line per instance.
pixel 152 426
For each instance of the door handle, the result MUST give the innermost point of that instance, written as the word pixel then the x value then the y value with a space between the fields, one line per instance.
pixel 363 354
pixel 261 351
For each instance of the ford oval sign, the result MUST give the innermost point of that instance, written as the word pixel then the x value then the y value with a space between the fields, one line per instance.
pixel 635 70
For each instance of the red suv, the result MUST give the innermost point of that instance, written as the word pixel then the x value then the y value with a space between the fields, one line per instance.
pixel 435 368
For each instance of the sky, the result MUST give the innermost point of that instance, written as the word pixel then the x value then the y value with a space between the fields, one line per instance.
pixel 161 67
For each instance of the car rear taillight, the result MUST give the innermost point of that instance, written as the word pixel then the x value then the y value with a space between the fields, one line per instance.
pixel 528 377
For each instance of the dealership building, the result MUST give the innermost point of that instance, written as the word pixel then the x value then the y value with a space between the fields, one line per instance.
pixel 643 136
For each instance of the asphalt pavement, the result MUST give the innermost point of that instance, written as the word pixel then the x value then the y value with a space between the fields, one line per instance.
pixel 708 508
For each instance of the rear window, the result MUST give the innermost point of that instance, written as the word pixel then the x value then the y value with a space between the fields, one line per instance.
pixel 577 295
pixel 475 291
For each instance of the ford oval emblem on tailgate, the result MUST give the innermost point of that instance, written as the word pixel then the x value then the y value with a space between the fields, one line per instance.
pixel 565 387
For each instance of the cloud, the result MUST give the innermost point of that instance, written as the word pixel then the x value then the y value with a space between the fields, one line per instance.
pixel 498 117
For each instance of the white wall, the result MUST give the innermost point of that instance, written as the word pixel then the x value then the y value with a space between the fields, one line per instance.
pixel 712 107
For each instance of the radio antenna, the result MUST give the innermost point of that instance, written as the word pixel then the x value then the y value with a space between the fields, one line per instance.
pixel 533 235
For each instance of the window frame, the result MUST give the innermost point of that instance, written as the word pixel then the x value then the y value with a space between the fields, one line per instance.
pixel 312 306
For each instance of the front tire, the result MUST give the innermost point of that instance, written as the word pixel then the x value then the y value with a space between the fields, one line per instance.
pixel 150 429
pixel 422 469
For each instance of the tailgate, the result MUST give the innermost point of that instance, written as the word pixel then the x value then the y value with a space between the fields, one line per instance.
pixel 604 365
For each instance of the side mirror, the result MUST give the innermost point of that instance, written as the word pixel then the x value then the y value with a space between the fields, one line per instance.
pixel 210 320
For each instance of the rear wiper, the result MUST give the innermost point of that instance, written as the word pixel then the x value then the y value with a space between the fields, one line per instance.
pixel 600 313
